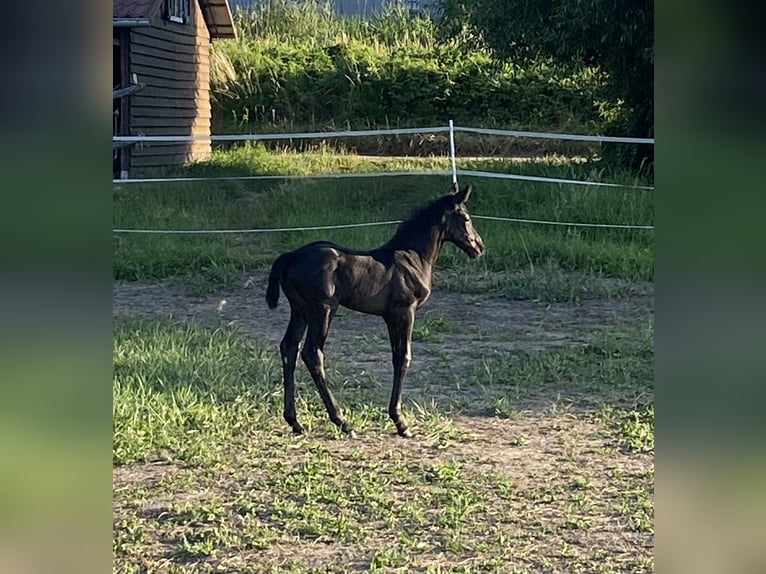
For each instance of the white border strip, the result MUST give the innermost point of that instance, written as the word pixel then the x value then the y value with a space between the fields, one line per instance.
pixel 563 223
pixel 494 175
pixel 288 176
pixel 553 136
pixel 280 136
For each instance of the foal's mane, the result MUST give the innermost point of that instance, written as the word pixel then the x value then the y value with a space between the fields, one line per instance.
pixel 423 218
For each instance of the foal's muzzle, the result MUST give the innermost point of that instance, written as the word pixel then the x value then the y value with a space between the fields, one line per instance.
pixel 475 247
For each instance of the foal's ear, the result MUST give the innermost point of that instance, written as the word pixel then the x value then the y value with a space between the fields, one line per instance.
pixel 462 195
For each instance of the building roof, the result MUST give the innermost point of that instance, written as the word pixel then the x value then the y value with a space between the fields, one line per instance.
pixel 217 14
pixel 218 18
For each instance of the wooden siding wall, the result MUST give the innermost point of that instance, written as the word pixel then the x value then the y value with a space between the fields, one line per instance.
pixel 173 61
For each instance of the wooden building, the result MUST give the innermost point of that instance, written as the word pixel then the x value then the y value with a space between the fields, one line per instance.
pixel 161 60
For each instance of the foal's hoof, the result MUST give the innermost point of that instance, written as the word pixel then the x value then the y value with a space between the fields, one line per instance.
pixel 298 429
pixel 346 428
pixel 405 433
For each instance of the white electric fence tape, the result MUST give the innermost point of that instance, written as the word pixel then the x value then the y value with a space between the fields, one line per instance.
pixel 337 134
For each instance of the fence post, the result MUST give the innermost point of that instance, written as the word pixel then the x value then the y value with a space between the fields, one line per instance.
pixel 452 150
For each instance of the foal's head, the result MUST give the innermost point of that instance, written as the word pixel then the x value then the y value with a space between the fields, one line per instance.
pixel 458 226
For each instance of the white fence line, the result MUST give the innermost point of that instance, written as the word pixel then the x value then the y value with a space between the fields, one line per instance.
pixel 454 172
pixel 394 131
pixel 367 224
pixel 495 175
pixel 258 230
pixel 472 173
pixel 287 176
pixel 279 136
pixel 553 136
pixel 563 223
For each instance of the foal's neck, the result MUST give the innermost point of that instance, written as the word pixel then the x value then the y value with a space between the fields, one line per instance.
pixel 427 245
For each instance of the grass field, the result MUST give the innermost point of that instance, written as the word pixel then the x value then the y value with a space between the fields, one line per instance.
pixel 625 254
pixel 530 394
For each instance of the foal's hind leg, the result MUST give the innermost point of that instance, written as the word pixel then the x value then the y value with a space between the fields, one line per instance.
pixel 313 356
pixel 289 351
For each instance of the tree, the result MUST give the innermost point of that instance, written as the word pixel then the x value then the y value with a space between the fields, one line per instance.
pixel 617 36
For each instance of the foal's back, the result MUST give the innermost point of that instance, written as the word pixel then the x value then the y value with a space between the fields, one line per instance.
pixel 329 274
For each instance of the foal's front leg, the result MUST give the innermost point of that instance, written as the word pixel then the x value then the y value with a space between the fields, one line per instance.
pixel 400 322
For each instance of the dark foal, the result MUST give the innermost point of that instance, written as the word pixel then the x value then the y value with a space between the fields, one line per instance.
pixel 391 281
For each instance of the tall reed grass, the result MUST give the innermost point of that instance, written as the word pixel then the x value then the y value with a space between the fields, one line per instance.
pixel 295 65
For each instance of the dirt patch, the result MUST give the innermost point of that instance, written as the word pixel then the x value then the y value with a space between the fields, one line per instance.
pixel 469 325
pixel 148 474
pixel 542 491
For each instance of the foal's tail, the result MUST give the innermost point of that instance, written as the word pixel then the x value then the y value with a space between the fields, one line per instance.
pixel 272 291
